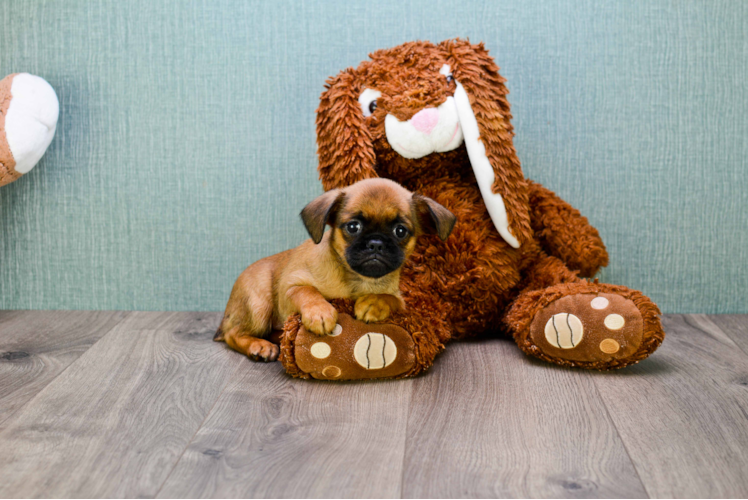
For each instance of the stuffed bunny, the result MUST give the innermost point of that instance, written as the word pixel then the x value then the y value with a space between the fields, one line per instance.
pixel 28 119
pixel 436 119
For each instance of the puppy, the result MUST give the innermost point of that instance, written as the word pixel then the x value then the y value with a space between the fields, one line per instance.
pixel 375 223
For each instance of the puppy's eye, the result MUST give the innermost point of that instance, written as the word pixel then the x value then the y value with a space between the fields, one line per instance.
pixel 368 101
pixel 353 227
pixel 400 231
pixel 450 78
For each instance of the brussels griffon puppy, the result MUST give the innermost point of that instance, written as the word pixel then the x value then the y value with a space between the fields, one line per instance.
pixel 375 223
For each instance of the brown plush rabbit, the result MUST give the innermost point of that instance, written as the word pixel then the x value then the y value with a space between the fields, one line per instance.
pixel 436 119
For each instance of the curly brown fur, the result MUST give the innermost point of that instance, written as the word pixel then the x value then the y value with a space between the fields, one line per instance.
pixel 464 286
pixel 287 343
pixel 583 250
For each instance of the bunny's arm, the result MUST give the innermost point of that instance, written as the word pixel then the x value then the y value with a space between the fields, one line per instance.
pixel 564 232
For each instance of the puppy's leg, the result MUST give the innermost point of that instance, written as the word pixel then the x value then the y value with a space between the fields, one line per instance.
pixel 249 314
pixel 317 314
pixel 377 307
pixel 245 337
pixel 254 348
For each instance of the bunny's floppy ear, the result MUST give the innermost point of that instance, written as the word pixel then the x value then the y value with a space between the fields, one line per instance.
pixel 344 143
pixel 485 115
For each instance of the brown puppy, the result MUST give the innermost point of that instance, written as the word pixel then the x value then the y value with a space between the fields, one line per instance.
pixel 375 223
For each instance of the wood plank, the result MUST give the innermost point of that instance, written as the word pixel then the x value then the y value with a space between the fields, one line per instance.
pixel 117 420
pixel 7 315
pixel 683 413
pixel 488 421
pixel 277 437
pixel 36 346
pixel 735 326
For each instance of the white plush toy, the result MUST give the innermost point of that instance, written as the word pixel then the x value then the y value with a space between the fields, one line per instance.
pixel 28 119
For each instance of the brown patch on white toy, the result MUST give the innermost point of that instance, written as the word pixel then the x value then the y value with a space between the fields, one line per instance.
pixel 375 224
pixel 7 164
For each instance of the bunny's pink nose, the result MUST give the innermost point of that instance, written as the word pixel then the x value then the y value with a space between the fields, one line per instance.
pixel 425 120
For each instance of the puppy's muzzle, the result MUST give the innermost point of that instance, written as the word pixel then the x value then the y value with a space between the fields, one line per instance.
pixel 375 256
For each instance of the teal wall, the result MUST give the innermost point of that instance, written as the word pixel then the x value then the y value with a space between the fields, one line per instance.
pixel 185 147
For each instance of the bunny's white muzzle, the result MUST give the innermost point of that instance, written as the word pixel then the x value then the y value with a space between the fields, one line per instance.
pixel 431 130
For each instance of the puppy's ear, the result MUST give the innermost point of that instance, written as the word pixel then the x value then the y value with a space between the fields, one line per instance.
pixel 433 217
pixel 477 75
pixel 321 211
pixel 344 143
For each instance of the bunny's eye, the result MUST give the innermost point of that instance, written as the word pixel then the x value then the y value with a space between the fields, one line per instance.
pixel 447 72
pixel 368 101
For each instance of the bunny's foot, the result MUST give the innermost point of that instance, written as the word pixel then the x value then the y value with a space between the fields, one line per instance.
pixel 586 325
pixel 354 350
pixel 404 345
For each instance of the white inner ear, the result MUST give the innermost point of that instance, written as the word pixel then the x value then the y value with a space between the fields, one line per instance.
pixel 481 166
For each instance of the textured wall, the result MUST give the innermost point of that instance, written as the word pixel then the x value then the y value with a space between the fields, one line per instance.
pixel 185 147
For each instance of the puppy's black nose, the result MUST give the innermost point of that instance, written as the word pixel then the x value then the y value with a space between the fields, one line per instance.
pixel 375 245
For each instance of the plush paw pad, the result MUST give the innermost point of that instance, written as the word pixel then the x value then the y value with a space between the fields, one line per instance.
pixel 355 350
pixel 374 351
pixel 588 327
pixel 564 331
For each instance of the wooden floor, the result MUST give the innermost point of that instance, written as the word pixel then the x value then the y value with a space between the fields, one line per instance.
pixel 113 404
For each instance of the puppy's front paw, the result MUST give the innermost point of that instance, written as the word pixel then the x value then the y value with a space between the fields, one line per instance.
pixel 319 318
pixel 372 308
